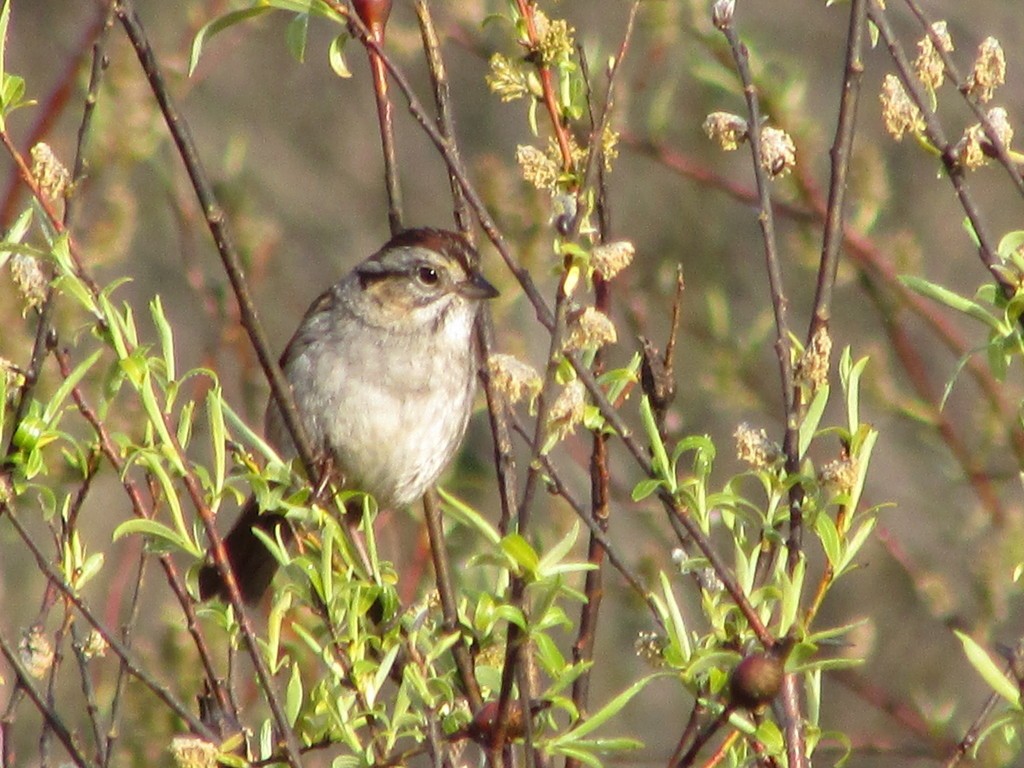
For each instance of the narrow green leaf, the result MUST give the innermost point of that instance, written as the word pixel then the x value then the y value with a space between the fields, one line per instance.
pixel 791 592
pixel 163 329
pixel 662 467
pixel 295 36
pixel 153 530
pixel 829 536
pixel 809 426
pixel 561 548
pixel 218 439
pixel 14 235
pixel 989 671
pixel 214 27
pixel 468 516
pixel 520 551
pixel 645 488
pixel 952 300
pixel 293 696
pixel 854 545
pixel 5 19
pixel 608 711
pixel 851 384
pixel 336 56
pixel 54 405
pixel 676 626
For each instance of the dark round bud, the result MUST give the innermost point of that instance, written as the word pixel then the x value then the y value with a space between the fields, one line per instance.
pixel 756 681
pixel 374 14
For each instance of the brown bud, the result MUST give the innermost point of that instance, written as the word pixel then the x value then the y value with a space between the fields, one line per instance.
pixel 374 14
pixel 756 681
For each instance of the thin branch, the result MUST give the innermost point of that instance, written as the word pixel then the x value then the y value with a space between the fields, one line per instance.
pixel 841 155
pixel 1002 154
pixel 137 670
pixel 933 130
pixel 50 717
pixel 385 119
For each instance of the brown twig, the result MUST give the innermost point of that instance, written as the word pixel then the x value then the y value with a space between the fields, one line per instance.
pixel 385 118
pixel 135 669
pixel 841 155
pixel 783 345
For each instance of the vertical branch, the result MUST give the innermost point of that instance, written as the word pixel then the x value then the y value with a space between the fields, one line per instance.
pixel 840 154
pixel 374 14
pixel 780 303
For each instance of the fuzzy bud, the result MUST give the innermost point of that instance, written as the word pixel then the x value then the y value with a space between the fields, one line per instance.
pixel 590 329
pixel 754 448
pixel 899 114
pixel 778 152
pixel 928 65
pixel 611 258
pixel 727 130
pixel 840 474
pixel 35 652
pixel 722 13
pixel 567 410
pixel 513 378
pixel 650 646
pixel 29 279
pixel 974 147
pixel 50 174
pixel 813 366
pixel 193 752
pixel 989 70
pixel 538 169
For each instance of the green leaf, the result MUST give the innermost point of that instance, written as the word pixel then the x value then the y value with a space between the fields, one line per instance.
pixel 850 374
pixel 645 488
pixel 809 427
pixel 676 626
pixel 163 329
pixel 336 56
pixel 554 556
pixel 520 552
pixel 829 536
pixel 218 438
pixel 989 671
pixel 14 235
pixel 469 517
pixel 952 300
pixel 295 37
pixel 54 405
pixel 293 696
pixel 662 467
pixel 606 712
pixel 154 530
pixel 218 25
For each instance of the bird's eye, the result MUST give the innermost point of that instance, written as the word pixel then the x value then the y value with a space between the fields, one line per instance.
pixel 427 275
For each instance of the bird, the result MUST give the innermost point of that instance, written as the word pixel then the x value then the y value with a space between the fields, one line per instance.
pixel 383 370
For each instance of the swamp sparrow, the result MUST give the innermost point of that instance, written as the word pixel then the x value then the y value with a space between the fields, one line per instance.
pixel 383 368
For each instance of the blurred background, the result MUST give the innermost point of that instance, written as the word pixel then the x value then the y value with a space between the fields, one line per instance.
pixel 295 153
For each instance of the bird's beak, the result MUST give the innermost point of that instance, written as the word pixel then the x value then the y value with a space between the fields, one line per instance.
pixel 477 287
